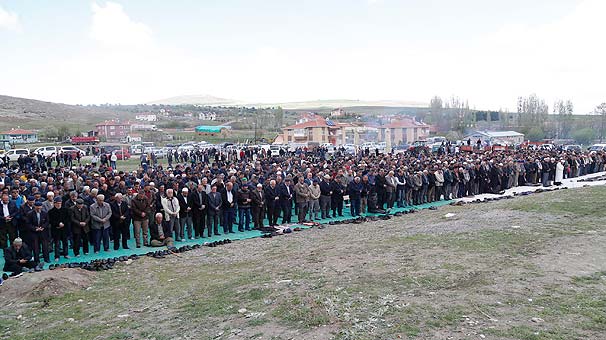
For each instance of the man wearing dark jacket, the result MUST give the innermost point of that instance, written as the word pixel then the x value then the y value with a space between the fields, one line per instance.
pixel 186 205
pixel 21 225
pixel 258 205
pixel 38 229
pixel 17 257
pixel 381 189
pixel 199 209
pixel 120 221
pixel 59 219
pixel 141 209
pixel 354 190
pixel 244 205
pixel 215 202
pixel 286 191
pixel 80 219
pixel 325 197
pixel 229 198
pixel 272 198
pixel 8 214
pixel 336 202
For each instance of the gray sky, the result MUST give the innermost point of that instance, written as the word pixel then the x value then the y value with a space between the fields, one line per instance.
pixel 133 51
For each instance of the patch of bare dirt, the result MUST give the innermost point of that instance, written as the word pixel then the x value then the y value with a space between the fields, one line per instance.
pixel 44 284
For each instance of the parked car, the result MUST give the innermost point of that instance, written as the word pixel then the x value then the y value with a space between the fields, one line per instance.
pixel 597 147
pixel 159 152
pixel 573 147
pixel 275 150
pixel 47 151
pixel 14 154
pixel 72 150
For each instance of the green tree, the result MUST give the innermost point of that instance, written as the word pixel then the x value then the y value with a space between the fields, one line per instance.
pixel 601 110
pixel 584 136
pixel 279 117
pixel 535 134
pixel 63 132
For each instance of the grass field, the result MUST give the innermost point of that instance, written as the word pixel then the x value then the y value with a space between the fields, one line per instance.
pixel 532 268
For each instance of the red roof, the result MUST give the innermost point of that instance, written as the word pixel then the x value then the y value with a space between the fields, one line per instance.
pixel 17 132
pixel 402 124
pixel 317 122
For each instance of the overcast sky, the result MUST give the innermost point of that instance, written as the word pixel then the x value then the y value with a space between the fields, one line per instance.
pixel 134 51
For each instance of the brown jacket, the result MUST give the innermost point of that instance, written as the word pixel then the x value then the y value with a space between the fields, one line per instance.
pixel 140 204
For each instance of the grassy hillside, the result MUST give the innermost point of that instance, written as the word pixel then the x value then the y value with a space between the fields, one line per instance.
pixel 30 113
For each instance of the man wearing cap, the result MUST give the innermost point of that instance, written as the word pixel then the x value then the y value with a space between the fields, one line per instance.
pixel 186 205
pixel 160 231
pixel 120 221
pixel 39 233
pixel 58 219
pixel 49 203
pixel 17 257
pixel 100 213
pixel 171 208
pixel 258 206
pixel 80 222
pixel 8 214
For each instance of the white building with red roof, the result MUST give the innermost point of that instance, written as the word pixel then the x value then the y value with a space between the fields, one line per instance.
pixel 315 130
pixel 19 136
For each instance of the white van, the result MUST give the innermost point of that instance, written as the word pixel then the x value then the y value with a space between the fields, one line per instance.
pixel 47 151
pixel 14 154
pixel 275 150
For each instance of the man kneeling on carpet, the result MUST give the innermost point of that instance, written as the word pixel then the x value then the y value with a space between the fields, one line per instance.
pixel 17 257
pixel 160 231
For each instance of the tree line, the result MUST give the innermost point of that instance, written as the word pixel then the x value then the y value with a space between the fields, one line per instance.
pixel 533 117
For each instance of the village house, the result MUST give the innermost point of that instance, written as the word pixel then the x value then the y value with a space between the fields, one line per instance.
pixel 147 117
pixel 19 136
pixel 113 129
pixel 403 131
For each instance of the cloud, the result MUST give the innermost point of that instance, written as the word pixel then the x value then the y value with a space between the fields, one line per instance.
pixel 113 27
pixel 555 59
pixel 8 20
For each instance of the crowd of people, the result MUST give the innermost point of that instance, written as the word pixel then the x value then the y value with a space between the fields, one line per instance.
pixel 51 206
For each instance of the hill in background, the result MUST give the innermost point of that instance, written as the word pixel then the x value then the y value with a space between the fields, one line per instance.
pixel 314 104
pixel 30 113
